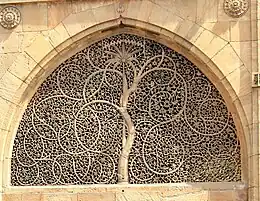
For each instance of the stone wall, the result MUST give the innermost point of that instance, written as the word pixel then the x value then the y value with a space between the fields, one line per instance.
pixel 225 48
pixel 179 192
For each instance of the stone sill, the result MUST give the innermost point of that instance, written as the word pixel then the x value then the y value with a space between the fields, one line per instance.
pixel 122 192
pixel 24 1
pixel 128 187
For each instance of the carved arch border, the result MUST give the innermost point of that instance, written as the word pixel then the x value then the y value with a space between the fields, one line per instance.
pixel 124 25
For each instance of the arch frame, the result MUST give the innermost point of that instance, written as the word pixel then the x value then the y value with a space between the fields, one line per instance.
pixel 105 29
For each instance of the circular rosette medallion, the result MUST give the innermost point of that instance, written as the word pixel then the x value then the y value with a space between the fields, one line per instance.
pixel 236 8
pixel 10 17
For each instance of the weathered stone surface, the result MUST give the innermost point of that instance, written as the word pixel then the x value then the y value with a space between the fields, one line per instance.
pixel 97 196
pixel 209 43
pixel 228 59
pixel 207 11
pixel 9 42
pixel 31 197
pixel 39 48
pixel 75 23
pixel 140 193
pixel 34 17
pixel 58 197
pixel 140 196
pixel 221 196
pixel 12 197
pixel 57 11
pixel 45 26
pixel 238 32
pixel 221 29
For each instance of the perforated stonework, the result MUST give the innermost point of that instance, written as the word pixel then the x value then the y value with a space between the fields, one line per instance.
pixel 126 109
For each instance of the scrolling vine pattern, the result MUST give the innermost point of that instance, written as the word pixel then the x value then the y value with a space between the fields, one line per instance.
pixel 126 109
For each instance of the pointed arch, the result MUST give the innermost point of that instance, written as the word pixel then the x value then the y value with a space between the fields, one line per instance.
pixel 177 43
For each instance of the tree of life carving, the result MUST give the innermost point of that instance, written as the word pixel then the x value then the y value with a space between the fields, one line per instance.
pixel 125 110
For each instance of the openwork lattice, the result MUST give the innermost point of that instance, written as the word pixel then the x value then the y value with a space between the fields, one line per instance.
pixel 126 109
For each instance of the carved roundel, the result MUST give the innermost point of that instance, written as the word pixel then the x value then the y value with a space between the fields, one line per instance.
pixel 236 8
pixel 10 17
pixel 126 109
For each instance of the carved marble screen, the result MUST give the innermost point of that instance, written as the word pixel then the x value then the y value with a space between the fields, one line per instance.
pixel 126 109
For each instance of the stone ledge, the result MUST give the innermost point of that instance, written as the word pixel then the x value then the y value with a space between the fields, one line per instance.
pixel 96 188
pixel 223 191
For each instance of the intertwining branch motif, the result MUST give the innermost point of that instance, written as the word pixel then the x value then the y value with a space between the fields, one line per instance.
pixel 126 110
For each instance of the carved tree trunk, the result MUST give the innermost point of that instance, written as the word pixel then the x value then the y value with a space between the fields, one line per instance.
pixel 124 157
pixel 129 141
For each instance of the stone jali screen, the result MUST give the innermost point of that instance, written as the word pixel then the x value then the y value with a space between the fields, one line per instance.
pixel 125 109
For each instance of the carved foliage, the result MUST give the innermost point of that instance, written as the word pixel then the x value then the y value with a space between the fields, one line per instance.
pixel 126 94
